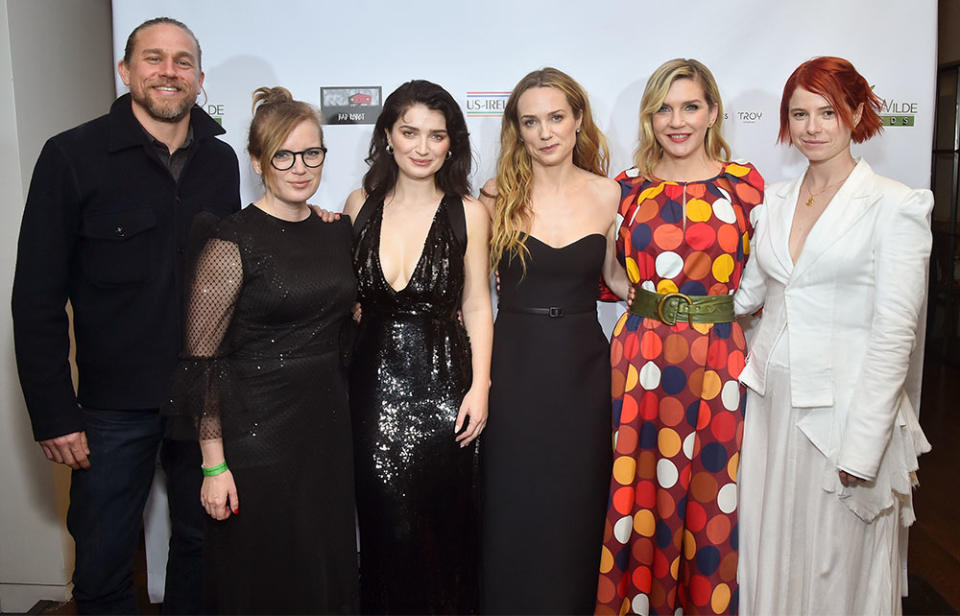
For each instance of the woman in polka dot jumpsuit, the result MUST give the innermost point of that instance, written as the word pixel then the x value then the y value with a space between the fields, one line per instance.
pixel 670 539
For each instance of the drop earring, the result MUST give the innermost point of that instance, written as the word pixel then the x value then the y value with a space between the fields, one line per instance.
pixel 389 149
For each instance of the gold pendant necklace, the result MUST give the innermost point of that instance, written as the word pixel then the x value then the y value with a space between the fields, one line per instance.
pixel 813 195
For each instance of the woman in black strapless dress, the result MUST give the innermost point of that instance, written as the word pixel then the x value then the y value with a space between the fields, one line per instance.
pixel 546 455
pixel 419 384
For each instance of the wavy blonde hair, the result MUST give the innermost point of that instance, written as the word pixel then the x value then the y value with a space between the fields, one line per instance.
pixel 512 211
pixel 649 151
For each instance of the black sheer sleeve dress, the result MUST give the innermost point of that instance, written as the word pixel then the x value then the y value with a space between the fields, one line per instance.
pixel 261 368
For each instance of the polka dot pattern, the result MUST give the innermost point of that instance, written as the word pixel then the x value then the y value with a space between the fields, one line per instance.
pixel 670 537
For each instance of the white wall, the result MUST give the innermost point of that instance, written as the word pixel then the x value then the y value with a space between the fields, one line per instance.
pixel 55 72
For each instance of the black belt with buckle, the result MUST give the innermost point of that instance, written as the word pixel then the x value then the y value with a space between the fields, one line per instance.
pixel 554 312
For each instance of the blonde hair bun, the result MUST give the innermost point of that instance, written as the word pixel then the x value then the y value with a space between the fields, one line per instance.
pixel 264 96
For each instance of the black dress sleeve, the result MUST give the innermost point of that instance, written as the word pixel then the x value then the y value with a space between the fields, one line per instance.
pixel 203 385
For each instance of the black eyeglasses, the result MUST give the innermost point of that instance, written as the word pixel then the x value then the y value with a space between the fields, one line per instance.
pixel 311 157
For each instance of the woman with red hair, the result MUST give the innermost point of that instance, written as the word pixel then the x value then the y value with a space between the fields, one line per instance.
pixel 831 437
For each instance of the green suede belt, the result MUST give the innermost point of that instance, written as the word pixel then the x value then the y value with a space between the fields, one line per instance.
pixel 673 307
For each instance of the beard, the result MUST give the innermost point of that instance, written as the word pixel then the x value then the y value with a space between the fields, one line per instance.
pixel 171 111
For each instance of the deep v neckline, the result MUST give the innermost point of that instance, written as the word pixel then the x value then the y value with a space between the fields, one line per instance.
pixel 813 227
pixel 423 249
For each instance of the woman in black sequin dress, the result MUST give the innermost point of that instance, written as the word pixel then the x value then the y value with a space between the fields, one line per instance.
pixel 262 385
pixel 418 382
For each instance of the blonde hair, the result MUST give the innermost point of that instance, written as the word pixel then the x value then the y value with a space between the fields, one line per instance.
pixel 512 211
pixel 649 151
pixel 275 115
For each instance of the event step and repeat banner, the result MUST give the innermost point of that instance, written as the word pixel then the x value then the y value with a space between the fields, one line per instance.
pixel 346 57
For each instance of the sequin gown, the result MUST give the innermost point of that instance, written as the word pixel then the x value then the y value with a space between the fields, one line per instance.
pixel 262 368
pixel 416 487
pixel 546 448
pixel 670 538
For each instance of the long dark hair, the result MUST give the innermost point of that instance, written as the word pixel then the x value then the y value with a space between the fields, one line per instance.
pixel 381 177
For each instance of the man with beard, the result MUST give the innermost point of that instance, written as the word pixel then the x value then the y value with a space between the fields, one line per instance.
pixel 105 226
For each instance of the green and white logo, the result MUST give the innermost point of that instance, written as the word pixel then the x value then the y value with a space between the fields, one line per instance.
pixel 897 113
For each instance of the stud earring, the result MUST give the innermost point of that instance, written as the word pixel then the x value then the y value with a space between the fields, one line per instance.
pixel 449 154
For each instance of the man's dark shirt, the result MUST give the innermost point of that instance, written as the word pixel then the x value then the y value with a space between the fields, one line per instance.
pixel 173 162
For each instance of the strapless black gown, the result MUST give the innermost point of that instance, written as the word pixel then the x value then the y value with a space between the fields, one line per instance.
pixel 546 451
pixel 416 488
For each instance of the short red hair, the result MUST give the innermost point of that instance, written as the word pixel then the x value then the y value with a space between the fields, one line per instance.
pixel 836 80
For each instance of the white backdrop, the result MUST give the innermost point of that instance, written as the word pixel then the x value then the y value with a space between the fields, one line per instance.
pixel 609 46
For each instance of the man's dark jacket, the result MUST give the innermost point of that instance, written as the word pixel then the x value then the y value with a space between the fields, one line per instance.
pixel 105 226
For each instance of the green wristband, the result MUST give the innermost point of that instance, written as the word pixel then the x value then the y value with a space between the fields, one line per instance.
pixel 214 470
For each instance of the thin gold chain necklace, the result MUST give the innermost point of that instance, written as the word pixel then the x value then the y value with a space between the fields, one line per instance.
pixel 812 196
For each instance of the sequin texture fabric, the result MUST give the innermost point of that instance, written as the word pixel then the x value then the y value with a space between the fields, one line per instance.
pixel 262 369
pixel 416 488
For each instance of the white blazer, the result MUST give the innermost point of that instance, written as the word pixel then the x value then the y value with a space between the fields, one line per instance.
pixel 850 308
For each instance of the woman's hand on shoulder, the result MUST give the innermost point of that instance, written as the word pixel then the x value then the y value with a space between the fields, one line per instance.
pixel 473 415
pixel 488 196
pixel 218 496
pixel 325 215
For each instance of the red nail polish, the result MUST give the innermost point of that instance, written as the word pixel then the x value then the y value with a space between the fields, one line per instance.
pixel 236 510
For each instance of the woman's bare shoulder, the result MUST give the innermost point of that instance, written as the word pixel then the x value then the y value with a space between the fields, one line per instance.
pixel 354 202
pixel 604 190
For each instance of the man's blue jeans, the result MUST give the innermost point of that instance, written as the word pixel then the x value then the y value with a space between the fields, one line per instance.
pixel 106 509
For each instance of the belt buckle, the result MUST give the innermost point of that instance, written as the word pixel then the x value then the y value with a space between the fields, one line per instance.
pixel 663 301
pixel 554 312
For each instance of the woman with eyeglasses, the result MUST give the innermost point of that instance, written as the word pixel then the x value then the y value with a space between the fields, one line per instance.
pixel 261 384
pixel 419 379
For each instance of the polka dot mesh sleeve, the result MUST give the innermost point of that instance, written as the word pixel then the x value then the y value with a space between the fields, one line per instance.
pixel 202 384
